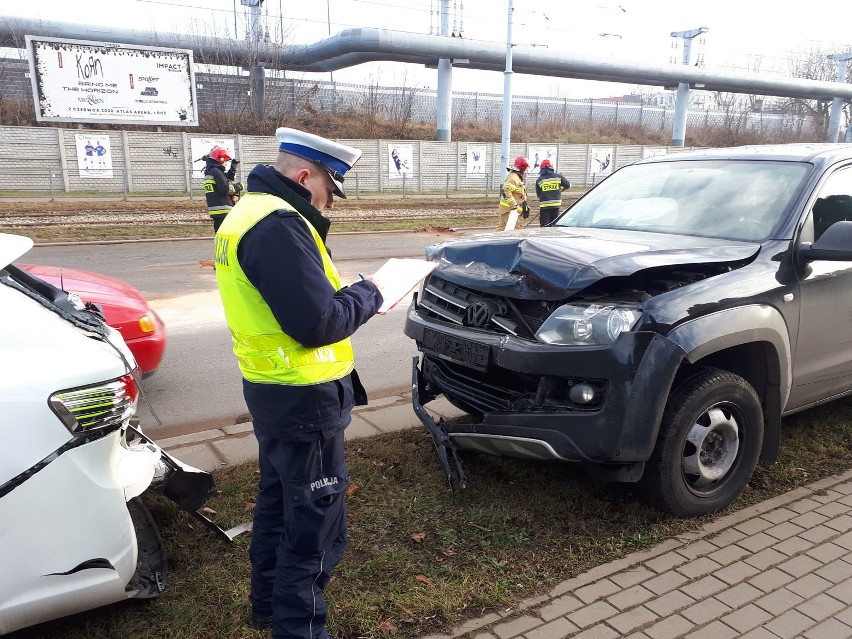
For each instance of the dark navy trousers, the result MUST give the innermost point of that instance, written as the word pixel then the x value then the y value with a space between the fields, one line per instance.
pixel 299 532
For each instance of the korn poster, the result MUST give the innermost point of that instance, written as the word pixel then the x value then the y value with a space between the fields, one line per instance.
pixel 600 161
pixel 476 158
pixel 94 157
pixel 399 160
pixel 538 154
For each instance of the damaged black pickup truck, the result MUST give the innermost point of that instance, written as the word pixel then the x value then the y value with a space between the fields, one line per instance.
pixel 658 330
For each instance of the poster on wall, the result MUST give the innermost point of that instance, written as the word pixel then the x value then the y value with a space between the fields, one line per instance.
pixel 653 151
pixel 476 158
pixel 84 81
pixel 94 158
pixel 399 160
pixel 537 154
pixel 600 161
pixel 199 147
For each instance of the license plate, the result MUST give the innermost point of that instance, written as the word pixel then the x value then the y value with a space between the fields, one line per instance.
pixel 456 349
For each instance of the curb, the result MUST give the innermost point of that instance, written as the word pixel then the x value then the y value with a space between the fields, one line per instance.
pixel 233 445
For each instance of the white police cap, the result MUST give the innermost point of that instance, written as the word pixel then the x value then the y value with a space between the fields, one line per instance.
pixel 332 156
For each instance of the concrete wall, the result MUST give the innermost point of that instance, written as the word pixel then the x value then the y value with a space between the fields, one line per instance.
pixel 43 160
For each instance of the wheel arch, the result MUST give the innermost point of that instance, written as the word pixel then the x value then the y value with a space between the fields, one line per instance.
pixel 752 342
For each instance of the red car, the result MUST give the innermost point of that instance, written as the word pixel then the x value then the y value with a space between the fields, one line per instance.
pixel 123 305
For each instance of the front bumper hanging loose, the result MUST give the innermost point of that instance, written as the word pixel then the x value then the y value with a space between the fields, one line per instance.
pixel 442 441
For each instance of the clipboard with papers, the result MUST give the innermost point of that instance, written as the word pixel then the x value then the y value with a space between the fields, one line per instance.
pixel 398 277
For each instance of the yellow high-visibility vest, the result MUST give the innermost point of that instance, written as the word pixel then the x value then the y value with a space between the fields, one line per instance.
pixel 264 352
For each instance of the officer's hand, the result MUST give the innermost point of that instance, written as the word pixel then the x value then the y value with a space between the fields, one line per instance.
pixel 525 210
pixel 235 162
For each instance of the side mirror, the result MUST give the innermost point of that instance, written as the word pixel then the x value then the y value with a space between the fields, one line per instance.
pixel 835 244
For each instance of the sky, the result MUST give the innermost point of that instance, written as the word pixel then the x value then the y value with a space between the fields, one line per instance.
pixel 742 34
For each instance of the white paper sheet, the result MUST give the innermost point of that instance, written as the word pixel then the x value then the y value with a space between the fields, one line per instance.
pixel 398 277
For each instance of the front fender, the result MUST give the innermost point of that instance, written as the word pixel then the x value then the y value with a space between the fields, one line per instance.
pixel 727 328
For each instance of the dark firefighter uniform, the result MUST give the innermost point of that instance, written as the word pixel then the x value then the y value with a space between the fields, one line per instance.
pixel 549 187
pixel 290 321
pixel 218 189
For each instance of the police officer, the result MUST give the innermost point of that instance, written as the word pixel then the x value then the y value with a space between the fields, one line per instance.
pixel 218 184
pixel 549 187
pixel 513 193
pixel 290 320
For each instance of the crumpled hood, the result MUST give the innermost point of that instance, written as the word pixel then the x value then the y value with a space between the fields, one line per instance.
pixel 554 263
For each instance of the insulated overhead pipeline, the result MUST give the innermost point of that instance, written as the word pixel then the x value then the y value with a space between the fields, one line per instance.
pixel 357 46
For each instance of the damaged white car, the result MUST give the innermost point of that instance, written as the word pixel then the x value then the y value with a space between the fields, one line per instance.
pixel 74 534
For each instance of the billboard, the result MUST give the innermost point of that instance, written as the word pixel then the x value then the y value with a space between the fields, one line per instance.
pixel 100 82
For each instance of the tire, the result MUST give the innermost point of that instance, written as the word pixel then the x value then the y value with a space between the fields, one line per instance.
pixel 710 439
pixel 151 569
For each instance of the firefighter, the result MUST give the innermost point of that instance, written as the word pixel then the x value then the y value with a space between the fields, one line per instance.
pixel 549 187
pixel 291 320
pixel 513 193
pixel 219 184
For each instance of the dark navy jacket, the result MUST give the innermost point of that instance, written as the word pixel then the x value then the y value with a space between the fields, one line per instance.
pixel 218 197
pixel 280 258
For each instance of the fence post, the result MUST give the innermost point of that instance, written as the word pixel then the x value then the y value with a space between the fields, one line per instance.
pixel 420 166
pixel 357 188
pixel 447 188
pixel 187 152
pixel 125 143
pixel 66 184
pixel 381 175
pixel 403 185
pixel 458 164
pixel 50 179
pixel 124 175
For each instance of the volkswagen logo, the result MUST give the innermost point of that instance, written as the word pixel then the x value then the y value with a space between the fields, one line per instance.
pixel 477 314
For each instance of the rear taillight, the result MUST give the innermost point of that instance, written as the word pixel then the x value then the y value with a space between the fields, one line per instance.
pixel 99 406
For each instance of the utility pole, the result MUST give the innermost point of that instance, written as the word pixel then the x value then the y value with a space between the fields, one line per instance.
pixel 682 103
pixel 328 22
pixel 507 100
pixel 445 83
pixel 837 103
pixel 257 79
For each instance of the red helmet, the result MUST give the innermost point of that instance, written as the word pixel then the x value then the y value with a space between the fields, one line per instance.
pixel 219 154
pixel 545 164
pixel 521 163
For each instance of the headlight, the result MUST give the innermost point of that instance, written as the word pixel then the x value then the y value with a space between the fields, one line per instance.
pixel 592 325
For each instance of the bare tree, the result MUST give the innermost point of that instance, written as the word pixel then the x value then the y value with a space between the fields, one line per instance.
pixel 812 64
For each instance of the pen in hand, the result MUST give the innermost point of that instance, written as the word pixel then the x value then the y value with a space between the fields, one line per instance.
pixel 362 276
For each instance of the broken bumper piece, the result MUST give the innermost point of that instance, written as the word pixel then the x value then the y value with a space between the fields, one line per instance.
pixel 444 446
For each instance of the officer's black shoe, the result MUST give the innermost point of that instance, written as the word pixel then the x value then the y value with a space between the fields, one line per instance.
pixel 261 622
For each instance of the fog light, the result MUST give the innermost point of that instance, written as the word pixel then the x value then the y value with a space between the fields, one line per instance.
pixel 582 394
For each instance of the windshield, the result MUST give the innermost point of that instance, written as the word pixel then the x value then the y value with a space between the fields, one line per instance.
pixel 727 199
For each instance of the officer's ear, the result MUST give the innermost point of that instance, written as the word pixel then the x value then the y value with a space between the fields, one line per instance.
pixel 302 176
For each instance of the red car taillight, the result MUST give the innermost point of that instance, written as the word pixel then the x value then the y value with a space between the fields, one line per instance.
pixel 97 406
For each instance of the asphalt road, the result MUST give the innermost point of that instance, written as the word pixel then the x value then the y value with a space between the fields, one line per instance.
pixel 198 383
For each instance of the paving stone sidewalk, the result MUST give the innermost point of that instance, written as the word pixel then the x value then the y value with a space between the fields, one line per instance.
pixel 779 569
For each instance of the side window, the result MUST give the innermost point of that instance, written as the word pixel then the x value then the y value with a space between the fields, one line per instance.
pixel 834 203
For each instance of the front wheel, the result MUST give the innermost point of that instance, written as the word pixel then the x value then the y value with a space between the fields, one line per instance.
pixel 709 443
